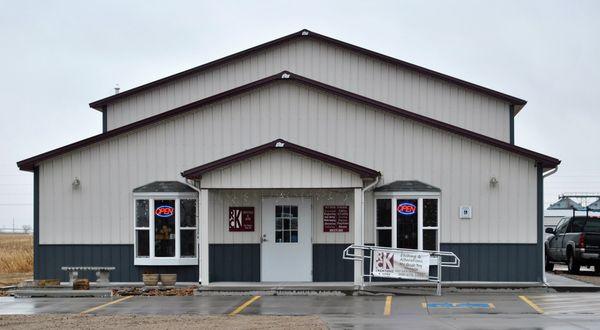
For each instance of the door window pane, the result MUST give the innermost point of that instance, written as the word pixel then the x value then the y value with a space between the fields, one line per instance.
pixel 142 241
pixel 188 243
pixel 430 213
pixel 141 213
pixel 187 212
pixel 164 228
pixel 407 224
pixel 384 237
pixel 430 239
pixel 384 213
pixel 286 224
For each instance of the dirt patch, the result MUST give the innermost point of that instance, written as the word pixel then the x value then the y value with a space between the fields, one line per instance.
pixel 54 321
pixel 14 278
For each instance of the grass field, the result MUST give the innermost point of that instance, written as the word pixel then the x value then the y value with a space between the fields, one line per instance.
pixel 16 258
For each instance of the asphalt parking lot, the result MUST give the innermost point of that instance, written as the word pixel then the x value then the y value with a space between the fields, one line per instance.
pixel 451 311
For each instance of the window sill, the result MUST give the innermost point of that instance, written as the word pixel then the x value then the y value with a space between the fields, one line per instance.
pixel 165 261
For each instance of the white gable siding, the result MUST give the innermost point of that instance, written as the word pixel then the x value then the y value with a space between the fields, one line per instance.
pixel 100 211
pixel 281 169
pixel 335 66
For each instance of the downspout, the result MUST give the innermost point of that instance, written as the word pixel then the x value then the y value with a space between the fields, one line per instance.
pixel 363 215
pixel 362 221
pixel 549 173
pixel 190 183
pixel 545 175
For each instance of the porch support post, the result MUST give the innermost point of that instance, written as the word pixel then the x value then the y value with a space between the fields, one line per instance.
pixel 203 237
pixel 359 223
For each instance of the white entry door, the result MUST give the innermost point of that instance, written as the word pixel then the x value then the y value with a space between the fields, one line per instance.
pixel 286 250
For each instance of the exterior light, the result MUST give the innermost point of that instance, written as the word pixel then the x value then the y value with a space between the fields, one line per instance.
pixel 76 183
pixel 493 182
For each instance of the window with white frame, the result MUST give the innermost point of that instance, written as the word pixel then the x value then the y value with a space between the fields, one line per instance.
pixel 165 229
pixel 407 221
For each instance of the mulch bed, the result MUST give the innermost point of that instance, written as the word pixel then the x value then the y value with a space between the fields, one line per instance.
pixel 155 291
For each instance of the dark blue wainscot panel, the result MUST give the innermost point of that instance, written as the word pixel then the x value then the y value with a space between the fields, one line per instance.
pixel 234 262
pixel 328 265
pixel 494 262
pixel 53 257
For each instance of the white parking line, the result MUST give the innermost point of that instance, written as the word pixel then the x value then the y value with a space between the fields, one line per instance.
pixel 570 303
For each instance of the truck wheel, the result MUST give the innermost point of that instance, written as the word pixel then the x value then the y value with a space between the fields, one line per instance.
pixel 549 266
pixel 572 264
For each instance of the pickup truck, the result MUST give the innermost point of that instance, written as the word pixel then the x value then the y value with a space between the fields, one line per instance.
pixel 576 242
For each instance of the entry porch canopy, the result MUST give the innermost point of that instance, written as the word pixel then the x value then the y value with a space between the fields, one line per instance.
pixel 279 164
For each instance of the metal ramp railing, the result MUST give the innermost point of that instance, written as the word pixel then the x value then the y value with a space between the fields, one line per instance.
pixel 438 259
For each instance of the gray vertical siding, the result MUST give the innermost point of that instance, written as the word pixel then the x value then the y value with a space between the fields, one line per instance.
pixel 52 257
pixel 234 262
pixel 328 265
pixel 494 262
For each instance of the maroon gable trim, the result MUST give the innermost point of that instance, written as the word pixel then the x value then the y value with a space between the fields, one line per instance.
pixel 197 172
pixel 309 34
pixel 546 161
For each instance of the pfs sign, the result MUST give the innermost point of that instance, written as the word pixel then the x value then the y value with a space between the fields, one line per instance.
pixel 241 219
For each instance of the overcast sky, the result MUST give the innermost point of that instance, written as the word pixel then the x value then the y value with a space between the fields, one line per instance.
pixel 57 56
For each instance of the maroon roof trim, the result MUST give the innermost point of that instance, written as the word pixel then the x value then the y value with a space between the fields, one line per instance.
pixel 197 172
pixel 309 34
pixel 546 161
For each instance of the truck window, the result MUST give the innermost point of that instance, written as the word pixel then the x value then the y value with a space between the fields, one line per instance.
pixel 592 226
pixel 562 226
pixel 577 225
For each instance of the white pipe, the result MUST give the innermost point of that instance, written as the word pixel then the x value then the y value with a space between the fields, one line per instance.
pixel 365 189
pixel 187 183
pixel 549 173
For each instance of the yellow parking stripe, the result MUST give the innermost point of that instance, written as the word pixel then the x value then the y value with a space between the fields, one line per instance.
pixel 244 305
pixel 107 304
pixel 388 306
pixel 532 304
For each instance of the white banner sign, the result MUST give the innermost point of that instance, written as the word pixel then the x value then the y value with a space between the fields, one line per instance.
pixel 401 264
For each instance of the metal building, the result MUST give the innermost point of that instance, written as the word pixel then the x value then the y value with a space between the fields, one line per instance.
pixel 264 165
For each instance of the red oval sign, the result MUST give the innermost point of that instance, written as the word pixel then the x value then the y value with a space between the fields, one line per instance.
pixel 164 211
pixel 407 208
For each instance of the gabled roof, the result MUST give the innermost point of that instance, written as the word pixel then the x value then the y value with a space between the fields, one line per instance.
pixel 279 144
pixel 309 34
pixel 410 185
pixel 546 161
pixel 164 186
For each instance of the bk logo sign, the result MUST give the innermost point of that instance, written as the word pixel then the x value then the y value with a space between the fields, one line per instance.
pixel 164 211
pixel 385 260
pixel 407 208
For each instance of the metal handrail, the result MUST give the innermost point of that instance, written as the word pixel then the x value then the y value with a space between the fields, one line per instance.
pixel 366 252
